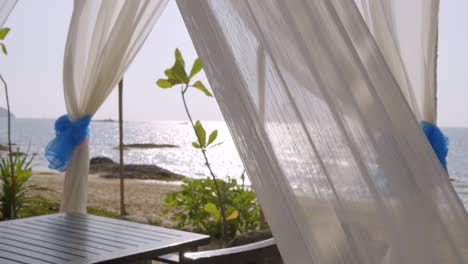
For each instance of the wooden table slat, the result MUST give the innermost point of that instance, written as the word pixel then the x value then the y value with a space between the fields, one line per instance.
pixel 22 259
pixel 86 226
pixel 88 242
pixel 124 226
pixel 136 227
pixel 59 253
pixel 114 235
pixel 47 257
pixel 34 239
pixel 5 260
pixel 106 240
pixel 56 247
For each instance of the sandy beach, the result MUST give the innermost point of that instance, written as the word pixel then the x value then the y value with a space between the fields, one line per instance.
pixel 144 198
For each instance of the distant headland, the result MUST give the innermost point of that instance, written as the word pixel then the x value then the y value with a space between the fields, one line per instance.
pixel 4 112
pixel 108 120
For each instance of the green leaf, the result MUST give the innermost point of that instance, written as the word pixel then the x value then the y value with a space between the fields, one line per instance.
pixel 196 68
pixel 199 85
pixel 172 78
pixel 169 74
pixel 201 134
pixel 4 32
pixel 233 215
pixel 164 83
pixel 179 73
pixel 212 210
pixel 196 145
pixel 3 48
pixel 212 137
pixel 179 58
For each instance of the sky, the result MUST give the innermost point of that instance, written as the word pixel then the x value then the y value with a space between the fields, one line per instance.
pixel 33 68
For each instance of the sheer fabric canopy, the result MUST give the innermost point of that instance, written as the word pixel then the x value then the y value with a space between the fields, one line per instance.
pixel 319 98
pixel 406 34
pixel 103 39
pixel 6 6
pixel 323 100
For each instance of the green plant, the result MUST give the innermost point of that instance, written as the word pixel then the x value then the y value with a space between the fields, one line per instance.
pixel 177 76
pixel 195 207
pixel 40 205
pixel 102 212
pixel 3 33
pixel 14 186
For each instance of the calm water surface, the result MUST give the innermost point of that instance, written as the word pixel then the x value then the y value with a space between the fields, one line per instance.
pixel 104 140
pixel 36 133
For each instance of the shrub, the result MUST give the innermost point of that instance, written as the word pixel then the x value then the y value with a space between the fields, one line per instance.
pixel 178 77
pixel 14 187
pixel 41 205
pixel 195 207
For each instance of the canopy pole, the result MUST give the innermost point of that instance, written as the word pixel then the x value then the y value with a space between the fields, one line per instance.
pixel 121 148
pixel 261 61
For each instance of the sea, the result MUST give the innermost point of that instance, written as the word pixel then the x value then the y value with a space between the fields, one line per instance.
pixel 33 135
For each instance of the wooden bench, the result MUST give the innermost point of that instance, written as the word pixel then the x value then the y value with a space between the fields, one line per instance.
pixel 262 252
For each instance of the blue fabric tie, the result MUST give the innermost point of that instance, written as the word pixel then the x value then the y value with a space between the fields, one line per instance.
pixel 438 140
pixel 68 135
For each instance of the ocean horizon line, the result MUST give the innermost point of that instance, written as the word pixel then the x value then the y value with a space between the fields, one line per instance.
pixel 116 119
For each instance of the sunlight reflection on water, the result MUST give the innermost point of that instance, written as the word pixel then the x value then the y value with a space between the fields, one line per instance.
pixel 186 160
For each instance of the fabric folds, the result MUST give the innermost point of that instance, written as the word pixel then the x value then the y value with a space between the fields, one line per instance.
pixel 103 39
pixel 6 6
pixel 329 138
pixel 406 35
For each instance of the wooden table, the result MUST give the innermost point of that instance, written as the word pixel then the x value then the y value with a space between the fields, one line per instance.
pixel 81 238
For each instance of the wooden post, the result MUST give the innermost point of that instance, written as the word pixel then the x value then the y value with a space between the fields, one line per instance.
pixel 261 62
pixel 121 149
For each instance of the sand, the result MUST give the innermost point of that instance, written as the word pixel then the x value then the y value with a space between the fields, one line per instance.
pixel 144 199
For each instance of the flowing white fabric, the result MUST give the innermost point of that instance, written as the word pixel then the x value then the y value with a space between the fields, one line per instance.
pixel 6 6
pixel 103 39
pixel 406 34
pixel 335 154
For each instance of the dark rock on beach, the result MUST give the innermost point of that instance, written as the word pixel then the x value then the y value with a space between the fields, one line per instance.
pixel 14 149
pixel 107 168
pixel 100 164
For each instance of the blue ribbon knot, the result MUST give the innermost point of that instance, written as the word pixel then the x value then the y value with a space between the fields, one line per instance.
pixel 68 135
pixel 438 140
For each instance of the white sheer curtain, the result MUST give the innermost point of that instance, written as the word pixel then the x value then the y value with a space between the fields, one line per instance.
pixel 406 34
pixel 6 6
pixel 103 39
pixel 319 113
